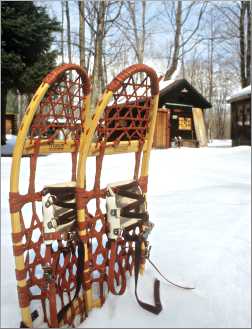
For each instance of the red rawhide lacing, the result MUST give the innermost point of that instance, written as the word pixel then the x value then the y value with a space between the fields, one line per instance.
pixel 126 118
pixel 17 201
pixel 51 272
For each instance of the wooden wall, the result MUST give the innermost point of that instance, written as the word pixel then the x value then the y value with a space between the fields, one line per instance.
pixel 11 124
pixel 162 135
pixel 168 127
pixel 241 122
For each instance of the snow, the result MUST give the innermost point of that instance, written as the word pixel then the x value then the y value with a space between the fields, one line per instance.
pixel 240 94
pixel 8 147
pixel 165 83
pixel 220 143
pixel 160 66
pixel 200 202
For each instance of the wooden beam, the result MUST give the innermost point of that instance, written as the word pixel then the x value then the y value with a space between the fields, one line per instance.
pixel 59 146
pixel 200 128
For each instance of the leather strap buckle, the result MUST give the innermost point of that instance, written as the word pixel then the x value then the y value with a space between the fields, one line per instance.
pixel 147 228
pixel 147 251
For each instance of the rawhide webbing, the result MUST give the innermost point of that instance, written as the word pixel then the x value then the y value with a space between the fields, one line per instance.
pixel 53 122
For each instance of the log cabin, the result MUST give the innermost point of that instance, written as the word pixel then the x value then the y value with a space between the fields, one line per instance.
pixel 180 114
pixel 241 117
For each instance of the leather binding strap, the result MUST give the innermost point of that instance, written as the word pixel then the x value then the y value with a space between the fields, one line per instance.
pixel 79 273
pixel 132 210
pixel 157 307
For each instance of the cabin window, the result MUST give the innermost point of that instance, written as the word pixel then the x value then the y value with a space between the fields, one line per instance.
pixel 247 117
pixel 185 123
pixel 240 116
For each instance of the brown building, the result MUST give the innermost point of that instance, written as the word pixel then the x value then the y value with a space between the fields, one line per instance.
pixel 11 114
pixel 11 124
pixel 241 117
pixel 180 114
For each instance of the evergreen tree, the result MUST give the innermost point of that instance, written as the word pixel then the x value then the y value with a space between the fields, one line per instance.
pixel 27 36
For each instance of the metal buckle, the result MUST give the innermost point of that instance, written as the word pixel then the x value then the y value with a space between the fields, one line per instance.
pixel 147 228
pixel 147 252
pixel 113 212
pixel 117 231
pixel 49 201
pixel 52 224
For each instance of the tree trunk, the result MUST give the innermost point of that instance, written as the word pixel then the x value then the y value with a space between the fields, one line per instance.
pixel 82 32
pixel 97 76
pixel 248 43
pixel 105 75
pixel 142 40
pixel 4 92
pixel 139 38
pixel 211 51
pixel 62 32
pixel 242 45
pixel 68 34
pixel 174 62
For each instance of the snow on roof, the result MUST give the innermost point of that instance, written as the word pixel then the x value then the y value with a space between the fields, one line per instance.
pixel 240 94
pixel 163 84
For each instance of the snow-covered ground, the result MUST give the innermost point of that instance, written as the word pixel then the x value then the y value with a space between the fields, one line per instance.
pixel 200 202
pixel 6 150
pixel 220 143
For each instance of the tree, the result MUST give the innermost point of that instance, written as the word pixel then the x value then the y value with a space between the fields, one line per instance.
pixel 177 36
pixel 68 34
pixel 100 17
pixel 236 35
pixel 82 32
pixel 248 7
pixel 138 23
pixel 26 42
pixel 134 28
pixel 62 32
pixel 245 42
pixel 182 16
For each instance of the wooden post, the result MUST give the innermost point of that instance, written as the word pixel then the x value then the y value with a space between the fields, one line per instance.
pixel 200 128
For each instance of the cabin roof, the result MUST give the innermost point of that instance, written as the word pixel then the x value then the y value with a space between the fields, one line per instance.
pixel 181 92
pixel 244 93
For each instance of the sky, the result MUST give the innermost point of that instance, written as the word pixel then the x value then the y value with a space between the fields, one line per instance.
pixel 160 38
pixel 160 34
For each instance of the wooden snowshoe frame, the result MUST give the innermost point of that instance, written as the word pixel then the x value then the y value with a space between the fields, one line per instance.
pixel 57 120
pixel 53 122
pixel 124 121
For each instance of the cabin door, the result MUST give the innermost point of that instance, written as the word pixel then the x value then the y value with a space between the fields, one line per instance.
pixel 182 124
pixel 162 135
pixel 175 123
